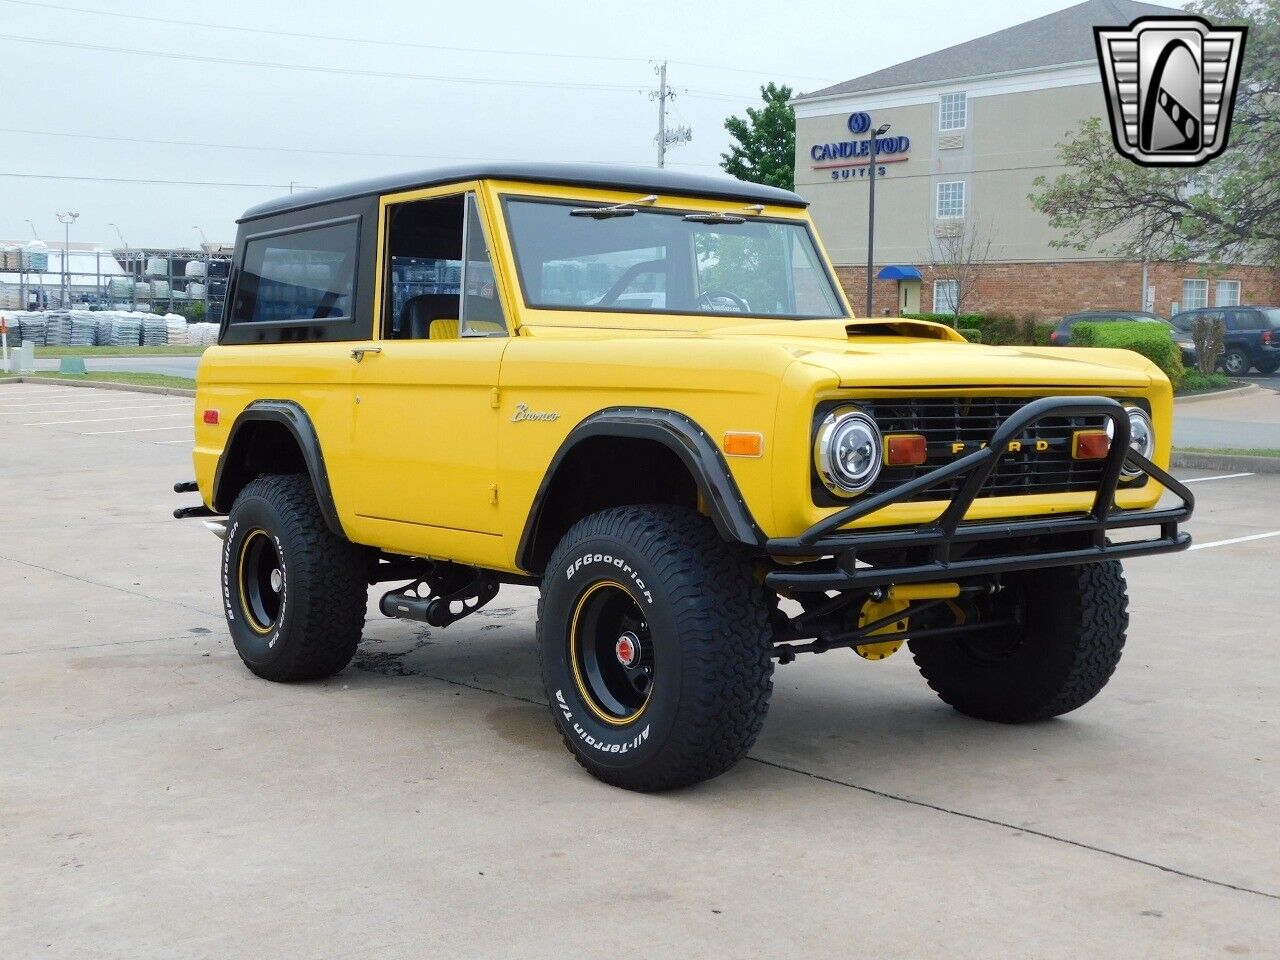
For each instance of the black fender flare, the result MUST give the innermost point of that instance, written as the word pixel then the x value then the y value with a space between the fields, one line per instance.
pixel 298 423
pixel 683 437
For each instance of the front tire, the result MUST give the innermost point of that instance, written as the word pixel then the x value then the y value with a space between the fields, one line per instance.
pixel 1236 362
pixel 656 648
pixel 1061 654
pixel 294 594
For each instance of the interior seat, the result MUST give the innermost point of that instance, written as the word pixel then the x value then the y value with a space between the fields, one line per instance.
pixel 422 315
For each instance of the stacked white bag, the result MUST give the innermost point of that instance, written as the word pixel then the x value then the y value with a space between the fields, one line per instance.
pixel 84 329
pixel 57 330
pixel 177 330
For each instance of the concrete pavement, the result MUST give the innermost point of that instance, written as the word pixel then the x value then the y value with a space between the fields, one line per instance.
pixel 168 366
pixel 1247 420
pixel 160 801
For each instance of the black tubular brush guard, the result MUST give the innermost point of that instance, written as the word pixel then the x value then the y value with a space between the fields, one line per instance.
pixel 943 536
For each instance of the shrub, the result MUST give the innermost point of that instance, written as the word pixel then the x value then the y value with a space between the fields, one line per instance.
pixel 1210 338
pixel 972 334
pixel 1152 340
pixel 1001 329
pixel 1193 379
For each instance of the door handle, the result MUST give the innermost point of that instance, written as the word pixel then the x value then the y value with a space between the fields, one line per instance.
pixel 358 353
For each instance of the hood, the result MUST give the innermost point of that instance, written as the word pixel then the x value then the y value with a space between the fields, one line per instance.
pixel 874 353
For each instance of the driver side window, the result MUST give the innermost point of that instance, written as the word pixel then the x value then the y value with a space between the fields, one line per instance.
pixel 427 269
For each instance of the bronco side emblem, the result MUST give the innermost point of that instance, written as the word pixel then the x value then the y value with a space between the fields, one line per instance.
pixel 1171 86
pixel 522 413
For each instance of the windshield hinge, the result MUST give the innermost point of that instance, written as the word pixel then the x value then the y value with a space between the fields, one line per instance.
pixel 493 493
pixel 494 400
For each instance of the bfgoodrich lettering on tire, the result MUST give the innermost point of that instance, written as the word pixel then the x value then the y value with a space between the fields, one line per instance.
pixel 293 593
pixel 655 646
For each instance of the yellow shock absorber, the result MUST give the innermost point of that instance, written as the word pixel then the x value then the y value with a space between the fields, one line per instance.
pixel 925 591
pixel 897 600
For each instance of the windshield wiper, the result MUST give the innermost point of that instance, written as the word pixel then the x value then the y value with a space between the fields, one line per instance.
pixel 617 210
pixel 714 218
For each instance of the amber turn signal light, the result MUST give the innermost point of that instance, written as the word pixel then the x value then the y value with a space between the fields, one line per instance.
pixel 905 450
pixel 1090 445
pixel 744 444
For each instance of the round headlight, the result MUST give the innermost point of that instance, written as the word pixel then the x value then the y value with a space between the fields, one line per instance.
pixel 1142 438
pixel 848 451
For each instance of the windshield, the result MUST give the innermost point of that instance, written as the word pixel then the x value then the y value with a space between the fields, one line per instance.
pixel 653 261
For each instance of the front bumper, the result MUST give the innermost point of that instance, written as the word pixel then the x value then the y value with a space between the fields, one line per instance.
pixel 940 550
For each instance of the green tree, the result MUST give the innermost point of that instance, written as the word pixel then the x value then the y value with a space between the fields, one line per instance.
pixel 765 151
pixel 1225 210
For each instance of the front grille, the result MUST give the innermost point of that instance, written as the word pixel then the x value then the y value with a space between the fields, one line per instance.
pixel 947 421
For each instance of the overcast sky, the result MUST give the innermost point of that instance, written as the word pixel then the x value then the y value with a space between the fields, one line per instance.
pixel 70 111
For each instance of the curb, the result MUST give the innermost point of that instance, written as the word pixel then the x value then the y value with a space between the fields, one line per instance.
pixel 1217 394
pixel 1233 463
pixel 104 385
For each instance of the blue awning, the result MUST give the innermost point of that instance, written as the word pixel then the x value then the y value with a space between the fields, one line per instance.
pixel 898 271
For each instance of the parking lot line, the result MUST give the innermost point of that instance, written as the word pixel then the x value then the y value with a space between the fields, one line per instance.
pixel 1225 476
pixel 145 416
pixel 1227 543
pixel 183 440
pixel 98 433
pixel 97 409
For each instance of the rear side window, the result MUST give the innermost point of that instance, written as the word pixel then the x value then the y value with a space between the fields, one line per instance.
pixel 1247 319
pixel 298 276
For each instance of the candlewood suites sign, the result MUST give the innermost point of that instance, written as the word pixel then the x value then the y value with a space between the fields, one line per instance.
pixel 850 159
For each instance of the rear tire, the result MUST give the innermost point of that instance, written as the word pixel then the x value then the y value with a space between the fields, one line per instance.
pixel 693 702
pixel 1058 659
pixel 294 594
pixel 1268 368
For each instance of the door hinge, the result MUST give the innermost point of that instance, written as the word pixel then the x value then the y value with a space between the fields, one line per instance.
pixel 494 399
pixel 493 493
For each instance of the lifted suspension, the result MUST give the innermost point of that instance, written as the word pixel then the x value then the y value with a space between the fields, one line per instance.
pixel 827 622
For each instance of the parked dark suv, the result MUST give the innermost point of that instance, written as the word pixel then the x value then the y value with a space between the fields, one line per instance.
pixel 1253 336
pixel 1061 337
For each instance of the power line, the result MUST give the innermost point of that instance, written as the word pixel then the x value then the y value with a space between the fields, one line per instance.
pixel 403 44
pixel 175 183
pixel 299 150
pixel 315 68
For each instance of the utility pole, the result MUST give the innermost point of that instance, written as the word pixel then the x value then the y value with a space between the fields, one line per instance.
pixel 67 219
pixel 666 136
pixel 663 93
pixel 871 211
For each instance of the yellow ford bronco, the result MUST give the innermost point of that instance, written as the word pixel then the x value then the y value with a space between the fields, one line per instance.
pixel 645 393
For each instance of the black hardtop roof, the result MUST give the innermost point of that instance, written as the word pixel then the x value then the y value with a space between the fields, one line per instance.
pixel 601 175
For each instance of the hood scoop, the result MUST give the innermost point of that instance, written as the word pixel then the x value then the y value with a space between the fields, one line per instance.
pixel 897 327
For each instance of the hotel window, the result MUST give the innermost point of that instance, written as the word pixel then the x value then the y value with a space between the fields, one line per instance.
pixel 950 200
pixel 945 294
pixel 1195 294
pixel 1227 293
pixel 953 111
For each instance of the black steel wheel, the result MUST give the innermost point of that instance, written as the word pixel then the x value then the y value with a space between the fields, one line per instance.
pixel 656 648
pixel 293 592
pixel 611 653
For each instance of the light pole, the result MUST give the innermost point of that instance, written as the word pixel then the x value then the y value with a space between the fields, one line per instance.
pixel 204 241
pixel 67 219
pixel 33 230
pixel 871 211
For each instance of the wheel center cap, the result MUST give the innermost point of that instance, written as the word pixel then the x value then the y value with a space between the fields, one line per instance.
pixel 627 649
pixel 277 580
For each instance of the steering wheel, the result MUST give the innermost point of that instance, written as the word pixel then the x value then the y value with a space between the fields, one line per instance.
pixel 707 297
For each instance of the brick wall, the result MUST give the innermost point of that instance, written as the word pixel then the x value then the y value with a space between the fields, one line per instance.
pixel 1054 289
